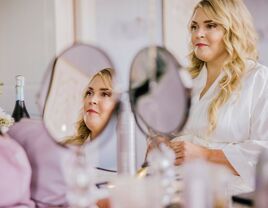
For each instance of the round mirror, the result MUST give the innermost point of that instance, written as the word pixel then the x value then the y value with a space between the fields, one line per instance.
pixel 81 104
pixel 158 93
pixel 69 81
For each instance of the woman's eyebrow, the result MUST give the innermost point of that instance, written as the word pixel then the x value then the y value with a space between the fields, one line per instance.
pixel 105 89
pixel 101 89
pixel 206 21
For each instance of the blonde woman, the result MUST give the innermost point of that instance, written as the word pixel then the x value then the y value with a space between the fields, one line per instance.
pixel 99 103
pixel 228 122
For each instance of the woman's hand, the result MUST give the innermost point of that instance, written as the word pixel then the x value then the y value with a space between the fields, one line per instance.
pixel 186 151
pixel 104 203
pixel 155 143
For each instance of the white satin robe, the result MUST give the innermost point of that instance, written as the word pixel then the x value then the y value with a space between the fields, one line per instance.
pixel 242 126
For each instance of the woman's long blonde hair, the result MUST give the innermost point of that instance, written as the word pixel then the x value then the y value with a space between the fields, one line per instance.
pixel 82 132
pixel 240 40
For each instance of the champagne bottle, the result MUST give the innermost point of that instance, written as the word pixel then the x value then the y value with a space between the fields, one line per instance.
pixel 20 110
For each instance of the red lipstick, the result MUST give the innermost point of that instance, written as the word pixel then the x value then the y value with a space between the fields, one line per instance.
pixel 92 111
pixel 200 44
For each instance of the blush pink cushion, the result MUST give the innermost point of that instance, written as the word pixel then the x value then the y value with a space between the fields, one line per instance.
pixel 48 185
pixel 15 175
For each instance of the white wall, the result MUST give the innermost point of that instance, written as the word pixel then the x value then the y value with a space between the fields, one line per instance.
pixel 176 36
pixel 63 24
pixel 26 47
pixel 85 21
pixel 123 28
pixel 32 33
pixel 258 9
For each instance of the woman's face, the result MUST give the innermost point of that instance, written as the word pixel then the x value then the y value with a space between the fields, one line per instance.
pixel 99 104
pixel 207 38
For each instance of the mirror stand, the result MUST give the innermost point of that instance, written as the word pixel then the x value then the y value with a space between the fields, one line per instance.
pixel 126 145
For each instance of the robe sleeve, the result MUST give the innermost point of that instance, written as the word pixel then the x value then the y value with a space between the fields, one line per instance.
pixel 244 156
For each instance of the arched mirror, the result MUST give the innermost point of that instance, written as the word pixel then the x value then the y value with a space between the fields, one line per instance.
pixel 70 77
pixel 159 93
pixel 80 114
pixel 81 104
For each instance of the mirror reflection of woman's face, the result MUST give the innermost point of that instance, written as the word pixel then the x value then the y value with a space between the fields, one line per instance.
pixel 99 104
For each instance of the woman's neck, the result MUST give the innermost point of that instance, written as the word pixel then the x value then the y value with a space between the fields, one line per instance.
pixel 92 136
pixel 214 69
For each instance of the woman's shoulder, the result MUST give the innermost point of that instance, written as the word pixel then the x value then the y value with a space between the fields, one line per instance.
pixel 257 69
pixel 256 72
pixel 257 77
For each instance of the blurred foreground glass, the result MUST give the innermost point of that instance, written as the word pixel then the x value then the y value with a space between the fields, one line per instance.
pixel 198 193
pixel 132 192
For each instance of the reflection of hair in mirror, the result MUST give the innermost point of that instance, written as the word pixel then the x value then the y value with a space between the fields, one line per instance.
pixel 160 66
pixel 144 88
pixel 240 43
pixel 137 92
pixel 83 132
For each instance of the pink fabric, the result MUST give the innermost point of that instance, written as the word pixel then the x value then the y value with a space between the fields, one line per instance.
pixel 15 175
pixel 47 186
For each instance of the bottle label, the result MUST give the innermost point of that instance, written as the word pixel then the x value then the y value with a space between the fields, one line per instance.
pixel 19 93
